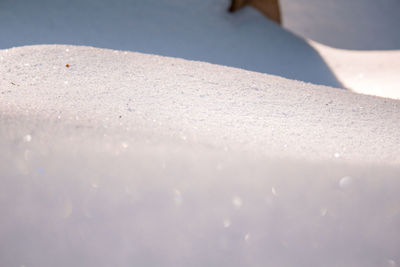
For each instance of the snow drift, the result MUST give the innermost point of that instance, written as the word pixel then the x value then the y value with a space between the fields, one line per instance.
pixel 127 159
pixel 186 29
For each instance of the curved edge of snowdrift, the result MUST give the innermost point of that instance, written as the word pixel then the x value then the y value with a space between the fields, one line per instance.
pixel 201 102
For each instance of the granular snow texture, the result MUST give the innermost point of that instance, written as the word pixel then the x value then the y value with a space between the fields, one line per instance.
pixel 112 158
pixel 198 102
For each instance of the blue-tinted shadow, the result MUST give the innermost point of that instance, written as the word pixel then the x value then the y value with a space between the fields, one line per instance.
pixel 187 29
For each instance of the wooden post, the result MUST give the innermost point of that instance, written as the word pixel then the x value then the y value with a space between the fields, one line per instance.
pixel 269 8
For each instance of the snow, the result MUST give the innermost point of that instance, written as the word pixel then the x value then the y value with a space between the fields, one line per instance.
pixel 370 72
pixel 350 25
pixel 114 157
pixel 357 39
pixel 191 30
pixel 205 31
pixel 130 159
pixel 194 99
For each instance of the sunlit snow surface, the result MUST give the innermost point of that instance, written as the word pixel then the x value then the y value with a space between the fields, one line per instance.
pixel 125 159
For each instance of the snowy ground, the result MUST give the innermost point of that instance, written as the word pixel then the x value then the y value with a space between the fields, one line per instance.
pixel 357 39
pixel 351 25
pixel 190 30
pixel 365 72
pixel 205 31
pixel 118 158
pixel 131 159
pixel 183 99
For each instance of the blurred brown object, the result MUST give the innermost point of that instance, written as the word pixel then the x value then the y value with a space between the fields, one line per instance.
pixel 269 8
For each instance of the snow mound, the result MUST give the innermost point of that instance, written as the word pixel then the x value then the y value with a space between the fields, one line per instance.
pixel 190 29
pixel 206 103
pixel 113 158
pixel 355 25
